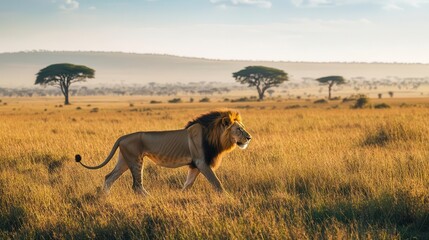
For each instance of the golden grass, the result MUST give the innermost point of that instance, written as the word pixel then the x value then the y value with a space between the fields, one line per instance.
pixel 325 171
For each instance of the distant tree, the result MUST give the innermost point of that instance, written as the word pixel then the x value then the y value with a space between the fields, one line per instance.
pixel 261 77
pixel 270 91
pixel 380 95
pixel 390 94
pixel 62 75
pixel 331 81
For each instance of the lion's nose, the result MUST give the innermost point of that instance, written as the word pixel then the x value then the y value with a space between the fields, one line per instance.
pixel 249 138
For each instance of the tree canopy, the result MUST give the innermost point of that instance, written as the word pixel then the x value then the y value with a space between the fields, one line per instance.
pixel 261 77
pixel 62 75
pixel 331 81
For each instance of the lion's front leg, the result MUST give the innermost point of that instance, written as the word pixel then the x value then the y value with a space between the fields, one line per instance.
pixel 208 172
pixel 190 179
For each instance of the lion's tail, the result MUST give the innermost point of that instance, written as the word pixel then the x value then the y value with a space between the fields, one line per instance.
pixel 78 158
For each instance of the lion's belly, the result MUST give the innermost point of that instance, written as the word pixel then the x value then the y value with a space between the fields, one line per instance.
pixel 167 149
pixel 170 161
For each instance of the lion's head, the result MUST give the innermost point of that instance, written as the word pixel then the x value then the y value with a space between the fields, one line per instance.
pixel 222 131
pixel 239 135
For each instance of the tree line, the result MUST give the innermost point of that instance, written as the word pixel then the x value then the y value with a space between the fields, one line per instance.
pixel 262 78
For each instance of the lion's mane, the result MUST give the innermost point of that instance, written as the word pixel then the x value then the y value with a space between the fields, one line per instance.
pixel 216 139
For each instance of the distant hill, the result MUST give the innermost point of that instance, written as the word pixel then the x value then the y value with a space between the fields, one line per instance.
pixel 19 69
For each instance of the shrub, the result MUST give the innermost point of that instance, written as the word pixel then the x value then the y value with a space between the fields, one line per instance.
pixel 154 102
pixel 295 106
pixel 206 99
pixel 243 99
pixel 320 101
pixel 353 97
pixel 175 100
pixel 381 105
pixel 348 99
pixel 361 102
pixel 407 105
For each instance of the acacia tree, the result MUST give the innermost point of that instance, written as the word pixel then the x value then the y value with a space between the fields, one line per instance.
pixel 261 77
pixel 331 81
pixel 62 75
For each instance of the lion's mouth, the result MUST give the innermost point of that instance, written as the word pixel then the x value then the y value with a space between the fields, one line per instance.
pixel 243 145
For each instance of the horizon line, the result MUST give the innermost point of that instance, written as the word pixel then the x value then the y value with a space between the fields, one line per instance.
pixel 211 59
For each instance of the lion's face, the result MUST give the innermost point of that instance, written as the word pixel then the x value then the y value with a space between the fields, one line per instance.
pixel 239 135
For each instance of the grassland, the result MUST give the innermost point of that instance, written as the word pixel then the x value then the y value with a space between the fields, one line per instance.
pixel 312 171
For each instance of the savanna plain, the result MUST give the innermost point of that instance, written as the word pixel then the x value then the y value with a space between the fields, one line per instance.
pixel 312 171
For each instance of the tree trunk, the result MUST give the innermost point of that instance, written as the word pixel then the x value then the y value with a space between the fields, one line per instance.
pixel 329 89
pixel 66 96
pixel 260 93
pixel 261 96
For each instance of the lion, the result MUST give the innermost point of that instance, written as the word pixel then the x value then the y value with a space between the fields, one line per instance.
pixel 200 146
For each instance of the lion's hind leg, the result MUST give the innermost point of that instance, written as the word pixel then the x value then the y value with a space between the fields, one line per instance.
pixel 120 168
pixel 136 172
pixel 190 179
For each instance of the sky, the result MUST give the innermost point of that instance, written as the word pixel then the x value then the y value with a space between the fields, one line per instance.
pixel 274 30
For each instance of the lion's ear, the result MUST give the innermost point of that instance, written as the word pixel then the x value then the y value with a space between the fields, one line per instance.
pixel 226 121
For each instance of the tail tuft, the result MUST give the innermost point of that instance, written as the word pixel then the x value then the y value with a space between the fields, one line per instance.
pixel 77 158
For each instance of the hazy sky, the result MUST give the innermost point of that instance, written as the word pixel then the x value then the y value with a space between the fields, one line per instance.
pixel 291 30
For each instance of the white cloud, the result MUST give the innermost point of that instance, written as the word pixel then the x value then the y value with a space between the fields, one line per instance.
pixel 321 3
pixel 312 3
pixel 257 3
pixel 69 5
pixel 414 3
pixel 392 7
pixel 385 4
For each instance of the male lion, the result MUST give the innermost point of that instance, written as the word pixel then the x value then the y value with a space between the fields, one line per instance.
pixel 200 146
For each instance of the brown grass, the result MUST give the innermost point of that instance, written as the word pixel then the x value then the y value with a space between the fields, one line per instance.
pixel 309 173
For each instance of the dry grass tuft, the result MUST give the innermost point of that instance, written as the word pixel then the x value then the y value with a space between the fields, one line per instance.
pixel 394 132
